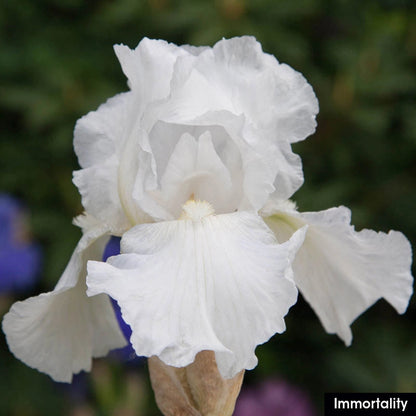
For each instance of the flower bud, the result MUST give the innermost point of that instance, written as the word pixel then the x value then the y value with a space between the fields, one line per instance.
pixel 195 390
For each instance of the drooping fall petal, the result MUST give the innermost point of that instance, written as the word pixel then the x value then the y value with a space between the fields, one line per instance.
pixel 59 332
pixel 218 283
pixel 342 272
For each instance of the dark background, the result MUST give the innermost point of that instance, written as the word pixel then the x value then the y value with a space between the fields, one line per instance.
pixel 57 63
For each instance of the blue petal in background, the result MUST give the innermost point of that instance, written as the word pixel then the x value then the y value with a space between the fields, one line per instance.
pixel 20 258
pixel 126 354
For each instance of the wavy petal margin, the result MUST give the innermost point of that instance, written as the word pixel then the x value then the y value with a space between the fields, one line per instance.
pixel 220 283
pixel 342 272
pixel 59 332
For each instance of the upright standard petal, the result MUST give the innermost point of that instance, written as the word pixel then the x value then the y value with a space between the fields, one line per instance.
pixel 256 168
pixel 243 97
pixel 207 282
pixel 341 272
pixel 236 75
pixel 59 332
pixel 100 139
pixel 149 67
pixel 195 168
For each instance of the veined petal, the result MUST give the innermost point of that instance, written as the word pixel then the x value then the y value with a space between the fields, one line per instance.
pixel 59 332
pixel 341 272
pixel 219 283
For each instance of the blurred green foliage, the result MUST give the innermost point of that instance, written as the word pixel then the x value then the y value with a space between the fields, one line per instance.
pixel 56 64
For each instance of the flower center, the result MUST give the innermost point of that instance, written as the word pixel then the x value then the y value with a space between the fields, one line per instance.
pixel 196 210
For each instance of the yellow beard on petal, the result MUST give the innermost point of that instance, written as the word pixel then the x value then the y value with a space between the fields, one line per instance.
pixel 196 210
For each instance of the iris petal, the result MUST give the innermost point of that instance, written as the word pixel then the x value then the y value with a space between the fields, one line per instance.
pixel 341 272
pixel 220 283
pixel 59 332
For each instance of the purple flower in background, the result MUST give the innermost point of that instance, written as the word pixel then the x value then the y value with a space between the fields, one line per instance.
pixel 20 258
pixel 274 398
pixel 126 353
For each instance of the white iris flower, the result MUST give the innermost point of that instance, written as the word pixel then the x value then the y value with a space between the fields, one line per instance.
pixel 193 168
